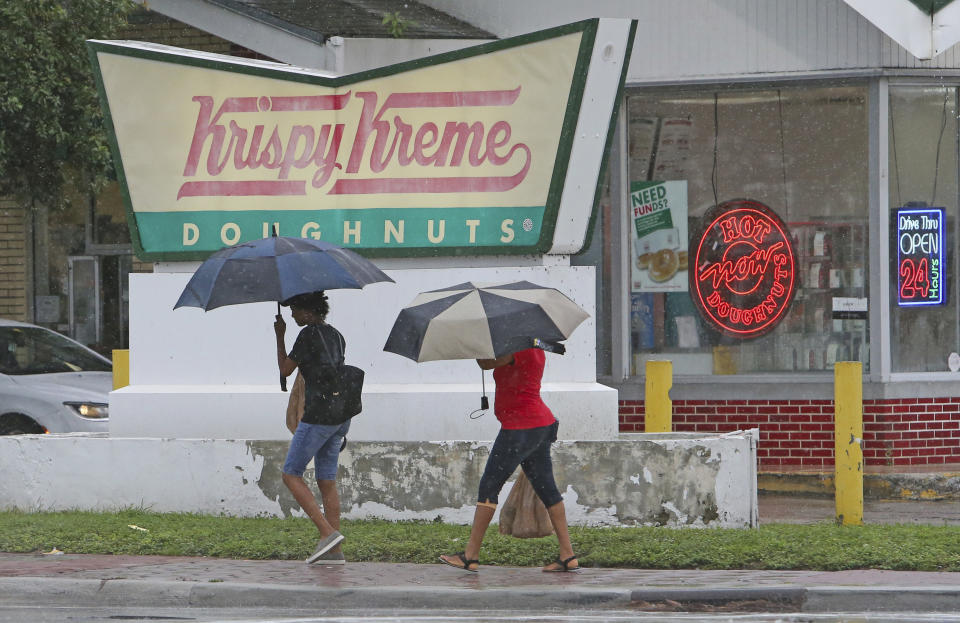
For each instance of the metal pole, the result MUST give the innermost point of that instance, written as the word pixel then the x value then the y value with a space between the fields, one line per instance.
pixel 657 403
pixel 283 379
pixel 121 368
pixel 848 440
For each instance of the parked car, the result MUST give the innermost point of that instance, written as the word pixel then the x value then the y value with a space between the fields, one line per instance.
pixel 50 383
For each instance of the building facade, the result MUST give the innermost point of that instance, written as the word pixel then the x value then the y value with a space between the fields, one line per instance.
pixel 830 116
pixel 813 109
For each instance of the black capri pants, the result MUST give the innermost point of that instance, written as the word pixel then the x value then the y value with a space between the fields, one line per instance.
pixel 530 449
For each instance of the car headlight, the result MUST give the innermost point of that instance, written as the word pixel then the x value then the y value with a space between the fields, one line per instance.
pixel 90 410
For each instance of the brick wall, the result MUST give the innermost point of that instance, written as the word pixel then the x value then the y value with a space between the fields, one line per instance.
pixel 799 433
pixel 912 431
pixel 156 28
pixel 146 25
pixel 13 260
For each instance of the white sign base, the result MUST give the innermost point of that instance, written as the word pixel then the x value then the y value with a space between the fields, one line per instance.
pixel 214 375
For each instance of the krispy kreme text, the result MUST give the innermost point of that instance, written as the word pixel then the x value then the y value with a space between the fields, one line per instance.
pixel 357 143
pixel 743 275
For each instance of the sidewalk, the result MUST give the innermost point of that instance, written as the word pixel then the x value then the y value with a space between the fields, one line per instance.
pixel 156 581
pixel 786 508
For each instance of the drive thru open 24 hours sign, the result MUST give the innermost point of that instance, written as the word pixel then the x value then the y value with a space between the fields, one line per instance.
pixel 493 149
pixel 921 256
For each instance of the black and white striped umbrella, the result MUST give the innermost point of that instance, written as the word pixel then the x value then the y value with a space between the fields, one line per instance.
pixel 469 321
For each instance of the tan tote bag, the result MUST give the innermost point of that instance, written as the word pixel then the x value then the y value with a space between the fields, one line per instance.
pixel 523 515
pixel 295 403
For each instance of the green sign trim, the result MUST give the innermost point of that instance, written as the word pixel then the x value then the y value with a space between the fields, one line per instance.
pixel 379 231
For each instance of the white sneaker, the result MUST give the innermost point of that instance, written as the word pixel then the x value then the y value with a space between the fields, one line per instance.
pixel 324 546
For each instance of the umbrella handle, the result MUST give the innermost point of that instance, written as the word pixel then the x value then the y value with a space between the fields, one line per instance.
pixel 283 379
pixel 484 403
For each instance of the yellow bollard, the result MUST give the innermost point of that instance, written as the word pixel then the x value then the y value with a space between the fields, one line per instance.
pixel 121 368
pixel 848 439
pixel 657 403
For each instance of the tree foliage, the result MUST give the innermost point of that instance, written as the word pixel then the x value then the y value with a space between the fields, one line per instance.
pixel 50 120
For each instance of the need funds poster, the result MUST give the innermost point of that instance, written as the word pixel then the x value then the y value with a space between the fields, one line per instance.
pixel 659 215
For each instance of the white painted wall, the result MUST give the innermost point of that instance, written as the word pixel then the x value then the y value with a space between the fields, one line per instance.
pixel 699 480
pixel 235 344
pixel 214 374
pixel 391 412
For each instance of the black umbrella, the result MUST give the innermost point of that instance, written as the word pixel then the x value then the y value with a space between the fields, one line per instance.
pixel 275 269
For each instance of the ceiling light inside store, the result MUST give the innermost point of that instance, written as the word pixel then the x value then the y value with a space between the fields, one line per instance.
pixel 740 99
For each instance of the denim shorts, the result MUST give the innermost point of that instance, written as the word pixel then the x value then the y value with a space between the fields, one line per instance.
pixel 530 449
pixel 320 442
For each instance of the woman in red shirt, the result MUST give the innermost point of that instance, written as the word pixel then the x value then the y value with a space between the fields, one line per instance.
pixel 527 428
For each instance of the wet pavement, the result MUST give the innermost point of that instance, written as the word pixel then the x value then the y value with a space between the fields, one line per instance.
pixel 160 581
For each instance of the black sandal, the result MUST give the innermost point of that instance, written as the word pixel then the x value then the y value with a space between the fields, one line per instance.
pixel 565 566
pixel 463 558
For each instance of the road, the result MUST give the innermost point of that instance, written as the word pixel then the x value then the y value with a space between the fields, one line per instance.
pixel 42 614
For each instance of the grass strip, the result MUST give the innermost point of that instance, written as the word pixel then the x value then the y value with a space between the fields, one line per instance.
pixel 822 546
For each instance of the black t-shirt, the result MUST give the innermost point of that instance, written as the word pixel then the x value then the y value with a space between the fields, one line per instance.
pixel 318 352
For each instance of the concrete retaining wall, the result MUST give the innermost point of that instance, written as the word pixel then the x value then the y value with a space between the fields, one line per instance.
pixel 671 479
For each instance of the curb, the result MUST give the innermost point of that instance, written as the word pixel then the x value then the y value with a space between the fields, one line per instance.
pixel 814 599
pixel 787 597
pixel 24 590
pixel 882 599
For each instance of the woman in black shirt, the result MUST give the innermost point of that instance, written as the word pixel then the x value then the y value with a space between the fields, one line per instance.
pixel 318 352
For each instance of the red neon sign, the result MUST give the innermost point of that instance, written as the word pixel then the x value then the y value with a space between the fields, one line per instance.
pixel 743 275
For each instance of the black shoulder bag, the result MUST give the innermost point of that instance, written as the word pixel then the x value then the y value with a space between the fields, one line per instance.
pixel 342 400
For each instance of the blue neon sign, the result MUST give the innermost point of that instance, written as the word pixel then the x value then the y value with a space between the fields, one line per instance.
pixel 921 256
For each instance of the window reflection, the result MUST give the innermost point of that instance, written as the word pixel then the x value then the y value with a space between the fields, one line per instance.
pixel 32 350
pixel 923 173
pixel 802 152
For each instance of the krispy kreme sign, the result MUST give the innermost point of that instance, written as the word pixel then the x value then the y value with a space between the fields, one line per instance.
pixel 743 271
pixel 491 149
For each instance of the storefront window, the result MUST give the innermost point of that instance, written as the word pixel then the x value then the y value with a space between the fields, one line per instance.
pixel 923 189
pixel 82 288
pixel 109 219
pixel 802 152
pixel 597 254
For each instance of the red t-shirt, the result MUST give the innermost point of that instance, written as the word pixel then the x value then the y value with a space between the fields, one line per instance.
pixel 517 403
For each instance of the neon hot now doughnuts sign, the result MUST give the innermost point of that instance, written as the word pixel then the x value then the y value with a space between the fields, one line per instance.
pixel 743 275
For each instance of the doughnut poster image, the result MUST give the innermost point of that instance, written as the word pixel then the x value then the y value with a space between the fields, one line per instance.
pixel 659 212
